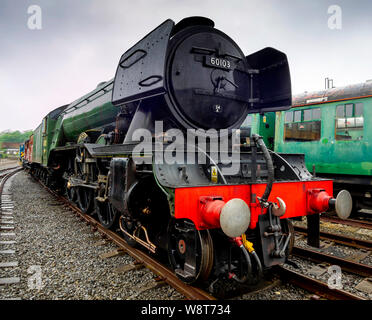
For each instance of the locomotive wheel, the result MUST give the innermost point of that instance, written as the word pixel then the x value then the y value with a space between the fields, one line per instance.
pixel 85 199
pixel 48 181
pixel 107 214
pixel 71 194
pixel 190 251
pixel 128 226
pixel 42 176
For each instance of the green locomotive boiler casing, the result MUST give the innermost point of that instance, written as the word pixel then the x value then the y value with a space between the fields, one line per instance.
pixel 63 125
pixel 92 111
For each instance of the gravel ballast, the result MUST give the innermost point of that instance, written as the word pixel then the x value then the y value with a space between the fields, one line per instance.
pixel 53 242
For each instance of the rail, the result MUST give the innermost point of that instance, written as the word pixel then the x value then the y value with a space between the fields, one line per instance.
pixel 166 275
pixel 337 238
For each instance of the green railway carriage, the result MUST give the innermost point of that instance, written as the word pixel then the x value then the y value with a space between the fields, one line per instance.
pixel 45 134
pixel 37 146
pixel 262 124
pixel 333 143
pixel 333 129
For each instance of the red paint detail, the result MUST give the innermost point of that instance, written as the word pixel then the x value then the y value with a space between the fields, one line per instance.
pixel 210 211
pixel 295 195
pixel 28 149
pixel 182 246
pixel 238 241
pixel 187 200
pixel 318 200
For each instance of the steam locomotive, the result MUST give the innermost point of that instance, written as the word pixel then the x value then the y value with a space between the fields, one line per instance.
pixel 119 152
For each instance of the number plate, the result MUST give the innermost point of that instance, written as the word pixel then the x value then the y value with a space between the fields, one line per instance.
pixel 215 62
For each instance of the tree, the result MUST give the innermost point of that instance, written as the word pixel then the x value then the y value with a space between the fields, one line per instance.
pixel 14 136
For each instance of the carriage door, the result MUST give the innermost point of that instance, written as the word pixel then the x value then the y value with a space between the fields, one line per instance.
pixel 44 135
pixel 267 128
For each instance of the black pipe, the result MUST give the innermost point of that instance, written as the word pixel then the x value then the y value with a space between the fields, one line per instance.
pixel 259 265
pixel 249 267
pixel 270 166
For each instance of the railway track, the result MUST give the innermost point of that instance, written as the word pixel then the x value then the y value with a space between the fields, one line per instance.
pixel 348 222
pixel 7 169
pixel 163 273
pixel 193 293
pixel 345 264
pixel 315 286
pixel 337 238
pixel 349 265
pixel 5 174
pixel 6 221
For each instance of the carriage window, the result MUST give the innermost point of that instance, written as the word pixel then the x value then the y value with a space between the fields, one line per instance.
pixel 359 109
pixel 349 122
pixel 297 116
pixel 307 115
pixel 340 111
pixel 289 116
pixel 305 127
pixel 349 110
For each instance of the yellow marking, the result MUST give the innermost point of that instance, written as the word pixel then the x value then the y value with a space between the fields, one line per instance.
pixel 247 244
pixel 214 174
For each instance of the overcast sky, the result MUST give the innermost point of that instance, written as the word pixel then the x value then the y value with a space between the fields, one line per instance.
pixel 81 41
